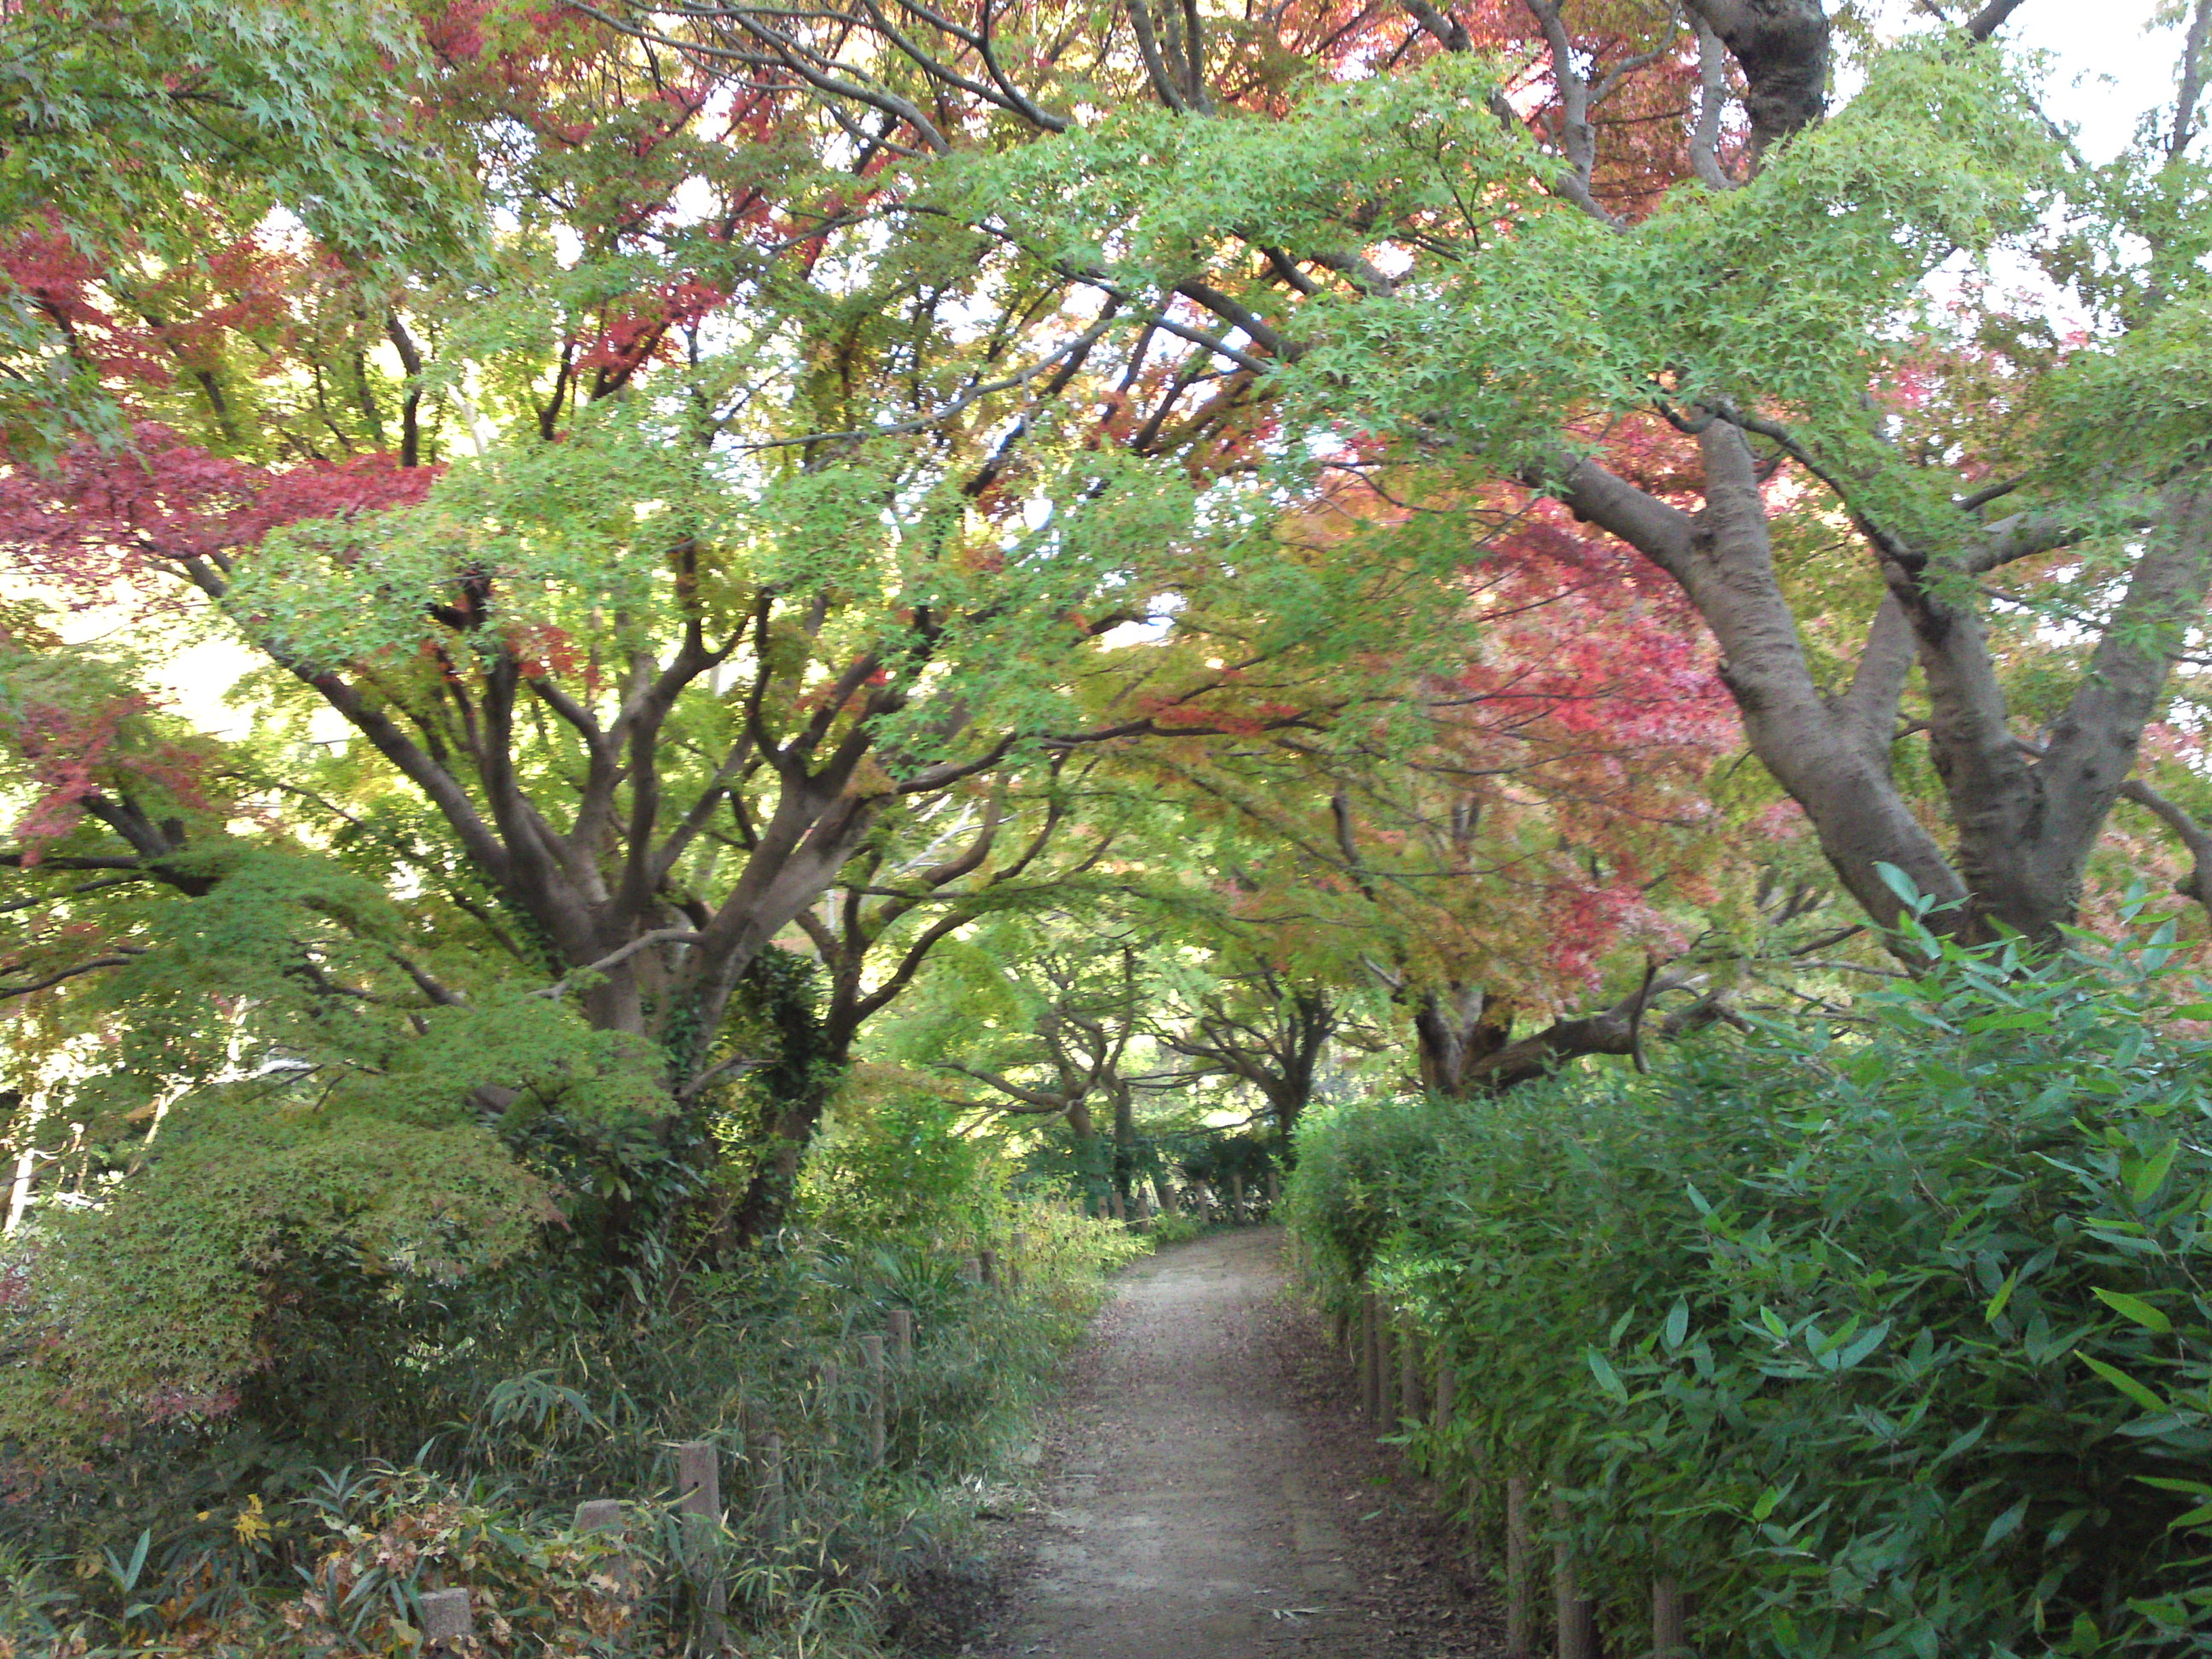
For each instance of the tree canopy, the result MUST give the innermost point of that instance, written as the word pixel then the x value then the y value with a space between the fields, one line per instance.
pixel 1045 556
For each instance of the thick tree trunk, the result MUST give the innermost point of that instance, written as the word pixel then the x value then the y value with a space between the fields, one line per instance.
pixel 1124 1142
pixel 1456 1029
pixel 2026 817
pixel 1782 47
pixel 815 1052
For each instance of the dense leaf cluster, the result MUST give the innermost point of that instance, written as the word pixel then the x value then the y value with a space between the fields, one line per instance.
pixel 1884 1340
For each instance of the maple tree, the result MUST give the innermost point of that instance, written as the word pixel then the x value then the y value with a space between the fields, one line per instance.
pixel 641 549
pixel 1063 1011
pixel 951 575
pixel 1251 1023
pixel 1490 235
pixel 1495 844
pixel 949 863
pixel 146 145
pixel 738 449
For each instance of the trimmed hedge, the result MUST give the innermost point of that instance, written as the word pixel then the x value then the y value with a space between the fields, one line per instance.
pixel 1887 1339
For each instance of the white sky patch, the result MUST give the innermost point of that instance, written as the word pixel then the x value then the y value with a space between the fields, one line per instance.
pixel 191 680
pixel 2101 81
pixel 2111 65
pixel 1150 630
pixel 693 202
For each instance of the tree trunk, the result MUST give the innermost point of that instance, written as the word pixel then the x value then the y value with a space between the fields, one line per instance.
pixel 1310 1023
pixel 1125 1141
pixel 2027 819
pixel 1454 1030
pixel 813 1054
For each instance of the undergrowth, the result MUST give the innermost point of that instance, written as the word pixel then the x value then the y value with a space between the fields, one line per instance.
pixel 397 1446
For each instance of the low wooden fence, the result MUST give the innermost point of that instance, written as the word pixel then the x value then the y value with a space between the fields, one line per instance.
pixel 1238 1206
pixel 854 1409
pixel 1406 1380
pixel 448 1615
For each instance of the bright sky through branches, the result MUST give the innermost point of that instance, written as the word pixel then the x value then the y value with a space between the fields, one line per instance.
pixel 2109 66
pixel 2110 69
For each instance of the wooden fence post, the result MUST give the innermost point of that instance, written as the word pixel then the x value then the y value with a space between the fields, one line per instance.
pixel 872 1361
pixel 1274 1193
pixel 699 1480
pixel 446 1616
pixel 1669 1621
pixel 1409 1375
pixel 1520 1617
pixel 699 1484
pixel 1018 1245
pixel 986 1266
pixel 898 1325
pixel 1577 1617
pixel 828 1386
pixel 1236 1200
pixel 1371 1355
pixel 606 1514
pixel 771 1487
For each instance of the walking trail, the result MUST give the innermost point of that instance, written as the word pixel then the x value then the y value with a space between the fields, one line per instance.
pixel 1213 1495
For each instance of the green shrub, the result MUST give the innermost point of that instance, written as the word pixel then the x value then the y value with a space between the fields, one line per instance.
pixel 1884 1339
pixel 1176 1227
pixel 392 1446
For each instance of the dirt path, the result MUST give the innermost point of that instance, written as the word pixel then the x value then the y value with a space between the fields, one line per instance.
pixel 1212 1496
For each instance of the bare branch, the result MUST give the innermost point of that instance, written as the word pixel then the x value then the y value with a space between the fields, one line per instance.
pixel 615 958
pixel 115 958
pixel 2189 83
pixel 1992 18
pixel 1037 1100
pixel 80 889
pixel 1449 31
pixel 1577 137
pixel 2197 883
pixel 781 51
pixel 1712 104
pixel 1165 84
